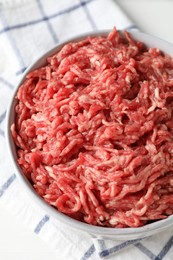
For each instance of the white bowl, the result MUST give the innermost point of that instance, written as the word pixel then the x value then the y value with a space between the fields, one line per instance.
pixel 101 232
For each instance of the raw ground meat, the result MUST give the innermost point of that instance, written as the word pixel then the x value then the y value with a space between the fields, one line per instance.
pixel 94 131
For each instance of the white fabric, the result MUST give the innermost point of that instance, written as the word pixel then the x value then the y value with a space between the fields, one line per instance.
pixel 28 28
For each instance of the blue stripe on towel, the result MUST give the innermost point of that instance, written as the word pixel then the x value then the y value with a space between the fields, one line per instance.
pixel 41 224
pixel 146 251
pixel 162 253
pixel 117 248
pixel 2 117
pixel 102 244
pixel 12 41
pixel 165 249
pixel 49 26
pixel 2 133
pixel 7 184
pixel 21 71
pixel 62 12
pixel 88 15
pixel 89 252
pixel 7 83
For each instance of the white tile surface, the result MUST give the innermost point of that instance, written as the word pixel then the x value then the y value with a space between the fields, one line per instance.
pixel 152 16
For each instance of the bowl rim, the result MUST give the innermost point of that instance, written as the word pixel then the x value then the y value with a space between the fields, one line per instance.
pixel 99 231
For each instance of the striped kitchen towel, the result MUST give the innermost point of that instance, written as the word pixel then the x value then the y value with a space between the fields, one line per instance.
pixel 28 28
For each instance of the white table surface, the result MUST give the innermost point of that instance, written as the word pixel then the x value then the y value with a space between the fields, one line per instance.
pixel 16 241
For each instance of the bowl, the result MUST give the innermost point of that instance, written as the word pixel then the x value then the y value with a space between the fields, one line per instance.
pixel 100 232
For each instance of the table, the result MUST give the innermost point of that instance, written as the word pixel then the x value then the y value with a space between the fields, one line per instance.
pixel 16 241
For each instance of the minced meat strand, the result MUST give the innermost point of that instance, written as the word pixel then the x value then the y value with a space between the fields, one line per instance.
pixel 94 131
